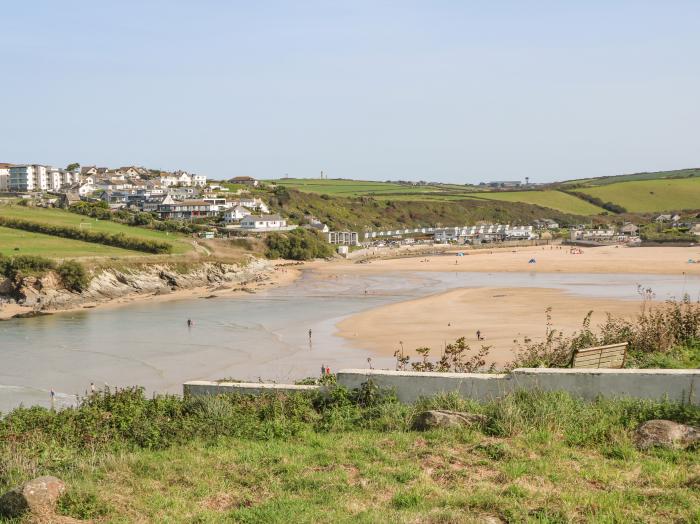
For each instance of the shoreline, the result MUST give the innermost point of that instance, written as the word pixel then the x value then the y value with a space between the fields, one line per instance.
pixel 549 259
pixel 280 275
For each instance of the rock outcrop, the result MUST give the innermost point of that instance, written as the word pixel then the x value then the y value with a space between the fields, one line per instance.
pixel 38 497
pixel 446 419
pixel 666 434
pixel 47 293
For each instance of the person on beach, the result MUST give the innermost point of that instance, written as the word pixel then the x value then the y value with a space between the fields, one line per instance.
pixel 53 398
pixel 92 387
pixel 478 335
pixel 189 323
pixel 309 335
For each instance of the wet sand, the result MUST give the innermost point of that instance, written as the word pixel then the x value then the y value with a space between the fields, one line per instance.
pixel 501 314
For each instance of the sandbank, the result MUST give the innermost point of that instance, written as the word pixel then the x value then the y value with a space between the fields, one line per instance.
pixel 501 314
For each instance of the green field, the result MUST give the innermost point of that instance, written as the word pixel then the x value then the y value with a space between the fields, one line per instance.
pixel 18 242
pixel 653 175
pixel 650 195
pixel 440 193
pixel 65 218
pixel 355 187
pixel 552 199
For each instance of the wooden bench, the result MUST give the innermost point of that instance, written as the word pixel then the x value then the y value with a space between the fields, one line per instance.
pixel 610 356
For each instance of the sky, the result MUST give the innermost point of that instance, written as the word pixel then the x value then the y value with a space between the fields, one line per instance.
pixel 451 91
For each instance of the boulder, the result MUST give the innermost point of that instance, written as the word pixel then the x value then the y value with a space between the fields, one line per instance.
pixel 446 419
pixel 38 496
pixel 666 434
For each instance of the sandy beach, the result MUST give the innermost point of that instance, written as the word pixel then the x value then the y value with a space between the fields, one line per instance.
pixel 549 259
pixel 501 314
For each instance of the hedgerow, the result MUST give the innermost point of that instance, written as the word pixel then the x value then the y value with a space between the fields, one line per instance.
pixel 95 237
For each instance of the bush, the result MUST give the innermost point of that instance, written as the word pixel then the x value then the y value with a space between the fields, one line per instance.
pixel 609 206
pixel 96 237
pixel 24 265
pixel 73 275
pixel 299 244
pixel 668 333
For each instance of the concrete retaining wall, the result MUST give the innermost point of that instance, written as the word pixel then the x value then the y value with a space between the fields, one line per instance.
pixel 678 385
pixel 204 388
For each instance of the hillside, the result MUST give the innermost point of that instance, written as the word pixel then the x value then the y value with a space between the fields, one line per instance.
pixel 77 248
pixel 553 199
pixel 360 213
pixel 650 195
pixel 639 192
pixel 653 175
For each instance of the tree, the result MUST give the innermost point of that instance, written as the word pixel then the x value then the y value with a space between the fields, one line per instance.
pixel 72 166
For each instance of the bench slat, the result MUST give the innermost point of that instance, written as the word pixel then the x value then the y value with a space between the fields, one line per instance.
pixel 609 356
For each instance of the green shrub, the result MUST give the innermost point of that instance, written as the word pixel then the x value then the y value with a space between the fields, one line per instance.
pixel 73 275
pixel 298 244
pixel 24 265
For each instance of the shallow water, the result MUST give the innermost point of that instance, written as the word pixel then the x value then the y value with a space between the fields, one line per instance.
pixel 264 335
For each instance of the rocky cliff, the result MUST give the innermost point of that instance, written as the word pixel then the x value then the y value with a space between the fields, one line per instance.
pixel 46 293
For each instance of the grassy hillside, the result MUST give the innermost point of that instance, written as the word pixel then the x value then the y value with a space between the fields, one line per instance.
pixel 352 187
pixel 654 175
pixel 553 199
pixel 64 218
pixel 352 457
pixel 17 242
pixel 650 195
pixel 362 213
pixel 440 193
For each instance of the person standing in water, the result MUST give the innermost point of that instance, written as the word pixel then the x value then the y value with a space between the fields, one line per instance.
pixel 189 323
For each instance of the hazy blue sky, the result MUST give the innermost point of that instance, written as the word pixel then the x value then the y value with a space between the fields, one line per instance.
pixel 438 90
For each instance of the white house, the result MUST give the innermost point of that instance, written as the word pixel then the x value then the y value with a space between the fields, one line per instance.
pixel 85 189
pixel 254 203
pixel 235 214
pixel 263 222
pixel 168 181
pixel 199 180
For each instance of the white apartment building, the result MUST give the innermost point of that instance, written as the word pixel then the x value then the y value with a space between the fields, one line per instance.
pixel 54 178
pixel 28 178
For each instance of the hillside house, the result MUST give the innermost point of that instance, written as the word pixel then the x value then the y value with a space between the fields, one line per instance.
pixel 187 210
pixel 253 203
pixel 236 214
pixel 263 222
pixel 244 180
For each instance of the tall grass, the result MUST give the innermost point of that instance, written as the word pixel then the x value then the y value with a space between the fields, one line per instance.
pixel 667 335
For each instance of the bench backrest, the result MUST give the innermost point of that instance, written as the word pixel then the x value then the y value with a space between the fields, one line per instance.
pixel 610 356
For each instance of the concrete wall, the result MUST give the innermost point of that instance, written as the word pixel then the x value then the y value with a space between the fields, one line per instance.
pixel 678 385
pixel 204 388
